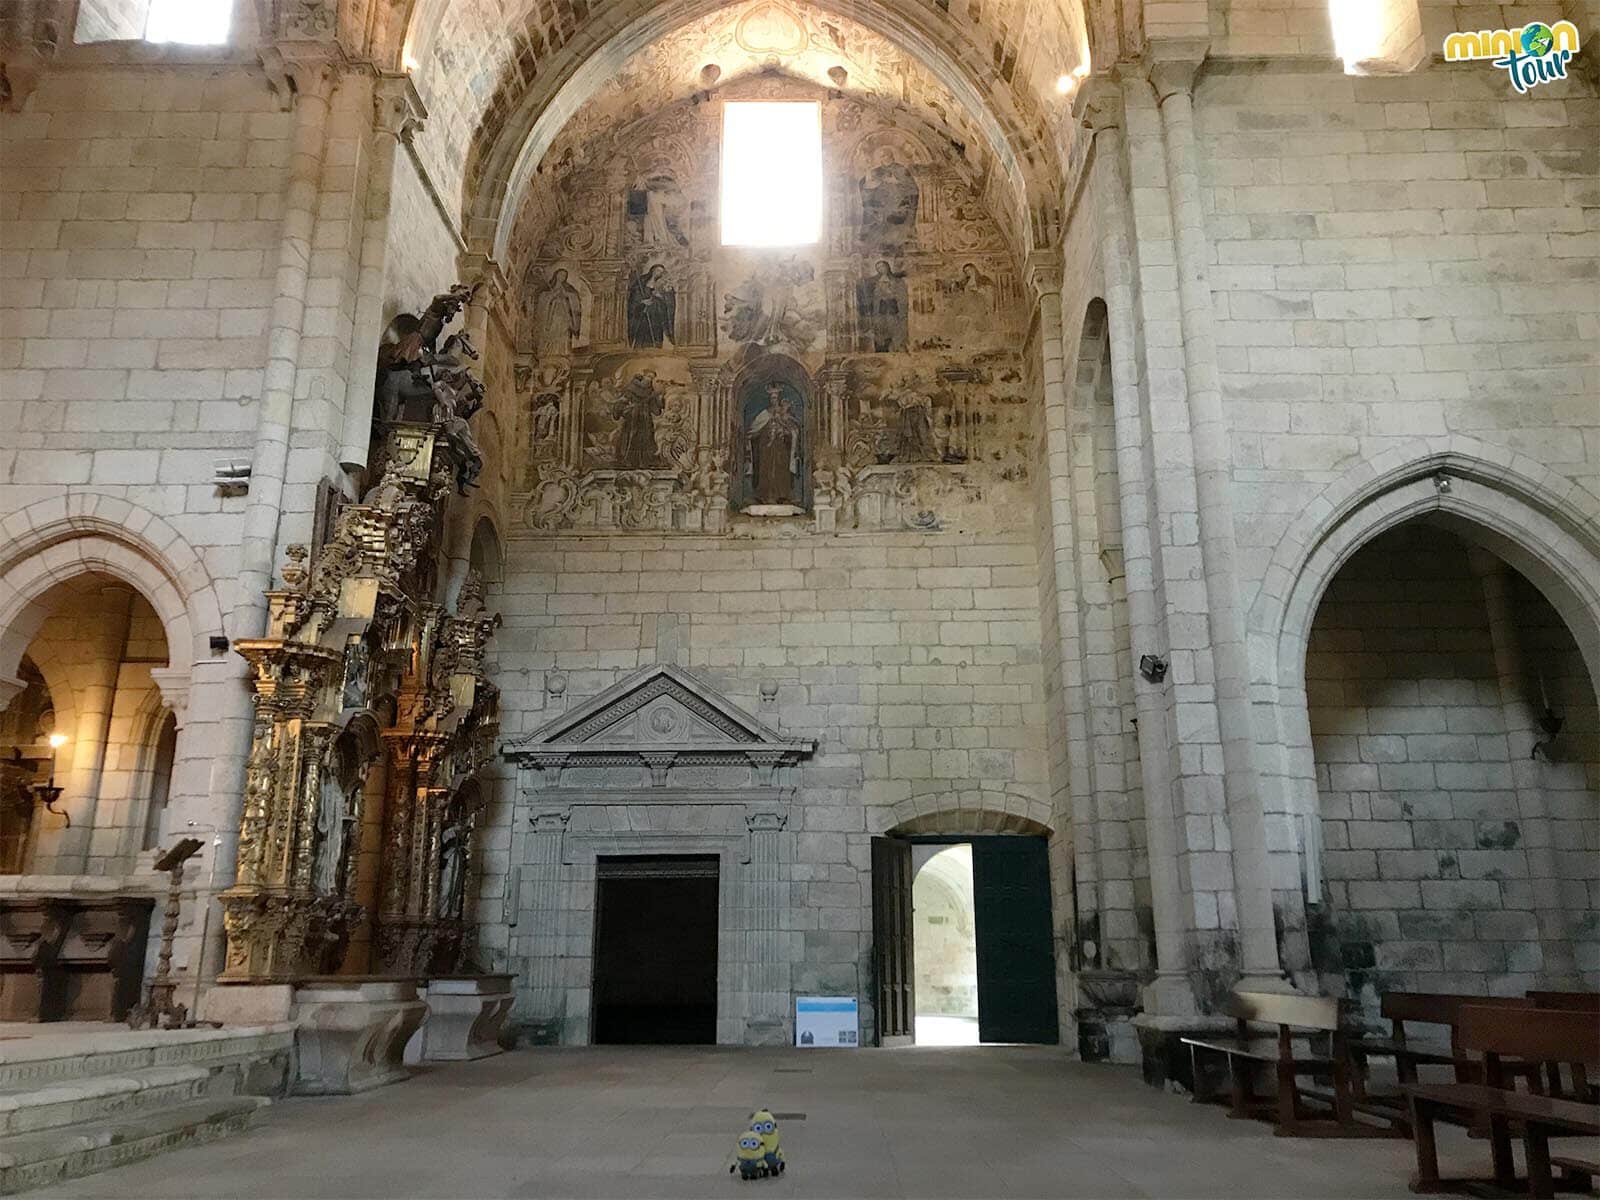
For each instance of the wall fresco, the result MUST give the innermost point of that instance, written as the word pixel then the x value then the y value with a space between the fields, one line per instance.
pixel 872 380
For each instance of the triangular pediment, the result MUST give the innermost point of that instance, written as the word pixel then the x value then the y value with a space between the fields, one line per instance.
pixel 660 708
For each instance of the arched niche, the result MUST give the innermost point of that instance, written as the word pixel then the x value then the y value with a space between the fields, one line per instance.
pixel 758 382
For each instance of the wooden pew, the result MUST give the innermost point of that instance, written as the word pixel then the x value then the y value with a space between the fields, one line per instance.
pixel 1572 1001
pixel 1420 1008
pixel 1508 1038
pixel 1246 1054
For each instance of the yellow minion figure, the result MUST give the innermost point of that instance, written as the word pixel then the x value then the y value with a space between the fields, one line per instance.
pixel 765 1125
pixel 748 1159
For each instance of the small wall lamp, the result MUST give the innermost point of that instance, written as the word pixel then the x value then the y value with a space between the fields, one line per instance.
pixel 48 793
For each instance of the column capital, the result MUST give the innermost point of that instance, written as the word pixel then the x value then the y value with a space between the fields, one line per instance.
pixel 1098 104
pixel 487 277
pixel 297 69
pixel 1172 64
pixel 173 684
pixel 1043 273
pixel 397 107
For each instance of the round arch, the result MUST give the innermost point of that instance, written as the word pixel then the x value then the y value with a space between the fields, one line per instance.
pixel 56 540
pixel 978 810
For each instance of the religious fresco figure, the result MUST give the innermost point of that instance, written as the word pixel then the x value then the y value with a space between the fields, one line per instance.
pixel 557 317
pixel 889 198
pixel 636 408
pixel 652 308
pixel 655 210
pixel 774 458
pixel 883 308
pixel 914 438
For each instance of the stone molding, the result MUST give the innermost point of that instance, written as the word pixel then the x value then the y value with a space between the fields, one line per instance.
pixel 649 725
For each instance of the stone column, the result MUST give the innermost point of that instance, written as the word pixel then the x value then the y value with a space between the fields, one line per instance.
pixel 1558 967
pixel 105 638
pixel 1078 805
pixel 314 82
pixel 1173 69
pixel 398 115
pixel 1169 993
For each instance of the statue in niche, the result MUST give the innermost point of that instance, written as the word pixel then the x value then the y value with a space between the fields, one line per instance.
pixel 452 866
pixel 889 199
pixel 335 818
pixel 914 438
pixel 636 408
pixel 557 318
pixel 882 307
pixel 652 306
pixel 655 211
pixel 356 660
pixel 774 449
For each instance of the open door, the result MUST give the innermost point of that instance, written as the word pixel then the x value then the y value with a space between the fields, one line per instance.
pixel 1016 951
pixel 893 971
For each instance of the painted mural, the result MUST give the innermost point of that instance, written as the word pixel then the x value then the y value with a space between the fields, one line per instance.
pixel 870 381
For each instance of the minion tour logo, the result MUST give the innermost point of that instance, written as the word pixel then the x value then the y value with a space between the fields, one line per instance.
pixel 1531 55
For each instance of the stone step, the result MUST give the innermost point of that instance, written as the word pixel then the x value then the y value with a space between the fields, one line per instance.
pixel 33 1160
pixel 43 1059
pixel 102 1097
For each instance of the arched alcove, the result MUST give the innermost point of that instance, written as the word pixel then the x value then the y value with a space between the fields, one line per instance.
pixel 1495 503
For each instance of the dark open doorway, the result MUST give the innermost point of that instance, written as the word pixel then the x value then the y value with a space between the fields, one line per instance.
pixel 655 950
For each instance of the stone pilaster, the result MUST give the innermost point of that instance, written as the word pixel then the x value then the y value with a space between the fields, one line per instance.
pixel 398 116
pixel 1173 66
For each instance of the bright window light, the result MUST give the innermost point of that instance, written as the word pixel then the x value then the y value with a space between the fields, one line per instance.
pixel 197 22
pixel 771 173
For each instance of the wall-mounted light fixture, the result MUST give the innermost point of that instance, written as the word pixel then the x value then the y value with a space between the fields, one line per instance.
pixel 1153 668
pixel 48 793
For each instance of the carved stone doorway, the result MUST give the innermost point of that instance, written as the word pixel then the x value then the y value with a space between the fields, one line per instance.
pixel 655 955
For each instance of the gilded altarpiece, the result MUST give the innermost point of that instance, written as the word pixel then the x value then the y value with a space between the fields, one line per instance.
pixel 362 668
pixel 666 382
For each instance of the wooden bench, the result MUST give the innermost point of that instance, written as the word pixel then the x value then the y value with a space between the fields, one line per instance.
pixel 1247 1054
pixel 1419 1008
pixel 1508 1038
pixel 1572 1001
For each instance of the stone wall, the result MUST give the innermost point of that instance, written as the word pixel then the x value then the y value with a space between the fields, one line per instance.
pixel 139 217
pixel 912 659
pixel 1394 258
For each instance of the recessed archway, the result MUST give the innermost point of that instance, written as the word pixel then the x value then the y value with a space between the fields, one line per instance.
pixel 1489 497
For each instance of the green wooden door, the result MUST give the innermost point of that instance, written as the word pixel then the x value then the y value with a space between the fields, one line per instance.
pixel 1016 949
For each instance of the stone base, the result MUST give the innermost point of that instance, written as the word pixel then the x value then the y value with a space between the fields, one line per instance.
pixel 247 1003
pixel 352 1032
pixel 1164 1059
pixel 465 1016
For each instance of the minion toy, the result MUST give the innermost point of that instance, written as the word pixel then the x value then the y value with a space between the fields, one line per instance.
pixel 748 1159
pixel 765 1125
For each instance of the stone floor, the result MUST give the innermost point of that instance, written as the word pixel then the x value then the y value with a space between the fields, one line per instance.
pixel 637 1122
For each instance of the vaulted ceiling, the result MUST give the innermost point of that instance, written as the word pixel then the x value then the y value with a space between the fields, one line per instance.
pixel 503 78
